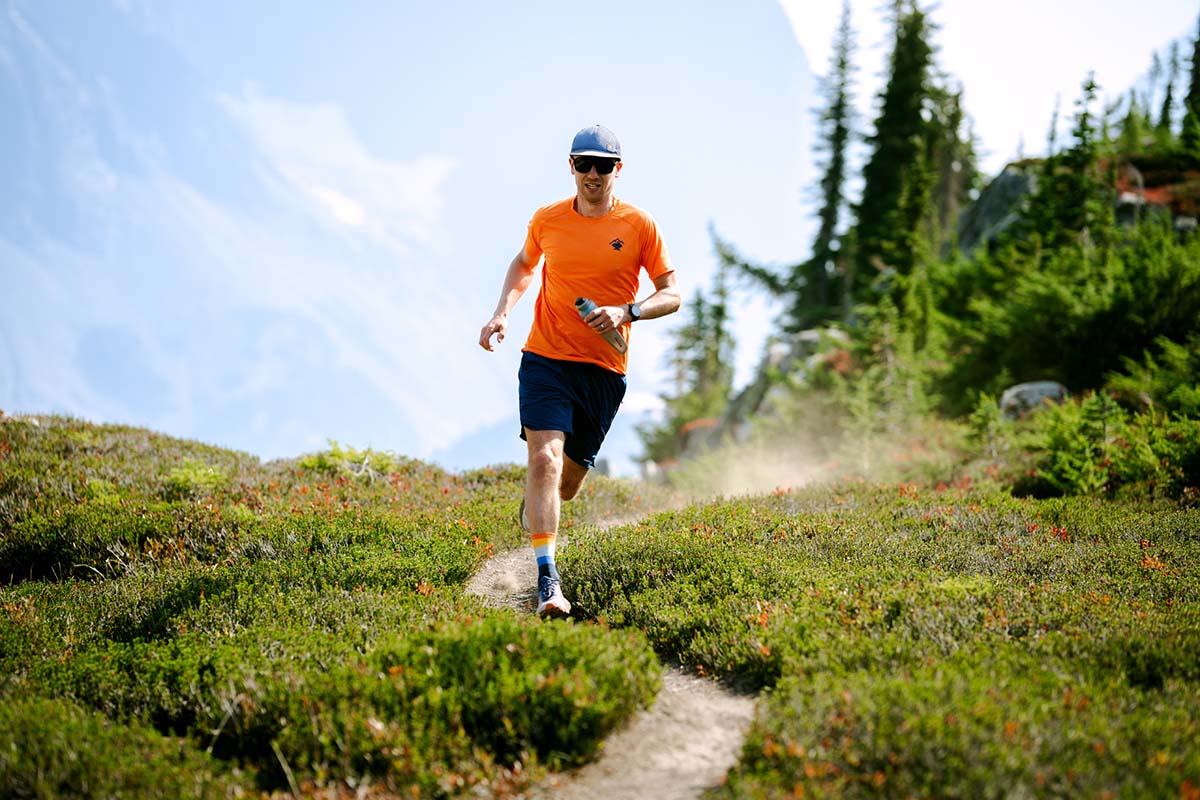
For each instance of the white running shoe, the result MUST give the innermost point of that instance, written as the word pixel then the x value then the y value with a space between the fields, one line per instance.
pixel 551 602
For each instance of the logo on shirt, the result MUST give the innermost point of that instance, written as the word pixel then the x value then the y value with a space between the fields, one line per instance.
pixel 617 244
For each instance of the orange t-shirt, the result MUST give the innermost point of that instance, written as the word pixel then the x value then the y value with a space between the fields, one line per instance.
pixel 600 258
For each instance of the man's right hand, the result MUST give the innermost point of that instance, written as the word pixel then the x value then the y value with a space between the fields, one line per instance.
pixel 496 326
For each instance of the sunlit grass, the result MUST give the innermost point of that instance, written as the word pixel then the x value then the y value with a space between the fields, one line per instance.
pixel 247 626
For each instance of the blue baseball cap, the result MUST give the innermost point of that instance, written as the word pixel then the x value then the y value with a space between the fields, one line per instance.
pixel 596 140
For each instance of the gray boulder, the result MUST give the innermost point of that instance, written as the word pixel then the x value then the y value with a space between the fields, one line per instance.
pixel 1019 400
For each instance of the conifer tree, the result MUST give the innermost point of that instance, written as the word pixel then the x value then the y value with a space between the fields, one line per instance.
pixel 950 153
pixel 1189 135
pixel 1132 128
pixel 896 176
pixel 808 289
pixel 1152 79
pixel 702 358
pixel 711 355
pixel 1070 198
pixel 1052 132
pixel 836 121
pixel 1165 121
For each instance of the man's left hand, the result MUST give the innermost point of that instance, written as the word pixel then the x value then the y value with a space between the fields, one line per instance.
pixel 607 318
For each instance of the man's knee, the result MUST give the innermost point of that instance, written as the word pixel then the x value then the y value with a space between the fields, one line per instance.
pixel 545 462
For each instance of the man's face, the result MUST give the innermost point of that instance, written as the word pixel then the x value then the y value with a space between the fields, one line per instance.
pixel 590 183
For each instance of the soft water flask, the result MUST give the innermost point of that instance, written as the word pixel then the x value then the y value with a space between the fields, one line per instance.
pixel 585 306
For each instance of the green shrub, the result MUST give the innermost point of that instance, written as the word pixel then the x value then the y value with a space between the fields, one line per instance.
pixel 103 539
pixel 989 426
pixel 310 618
pixel 1176 442
pixel 51 748
pixel 346 547
pixel 1079 440
pixel 495 689
pixel 194 480
pixel 53 464
pixel 879 613
pixel 1169 381
pixel 1068 312
pixel 982 724
pixel 1094 447
pixel 367 464
pixel 100 490
pixel 856 586
pixel 435 707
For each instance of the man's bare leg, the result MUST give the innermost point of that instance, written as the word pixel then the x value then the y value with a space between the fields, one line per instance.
pixel 542 499
pixel 542 505
pixel 571 477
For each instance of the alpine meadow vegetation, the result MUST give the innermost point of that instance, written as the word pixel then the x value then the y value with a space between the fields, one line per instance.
pixel 930 594
pixel 303 628
pixel 180 620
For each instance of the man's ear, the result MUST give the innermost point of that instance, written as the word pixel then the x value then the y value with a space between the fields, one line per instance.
pixel 571 164
pixel 618 169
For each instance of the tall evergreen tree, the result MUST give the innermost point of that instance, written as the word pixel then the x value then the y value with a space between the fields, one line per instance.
pixel 896 177
pixel 810 293
pixel 1133 128
pixel 1190 134
pixel 1072 200
pixel 1152 79
pixel 702 358
pixel 950 153
pixel 836 122
pixel 1052 132
pixel 712 354
pixel 1165 121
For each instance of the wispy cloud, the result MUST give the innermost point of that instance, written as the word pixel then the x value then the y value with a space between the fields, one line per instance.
pixel 323 162
pixel 47 54
pixel 223 303
pixel 395 338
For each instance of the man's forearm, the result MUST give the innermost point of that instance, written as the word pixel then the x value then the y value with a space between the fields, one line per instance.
pixel 663 302
pixel 516 281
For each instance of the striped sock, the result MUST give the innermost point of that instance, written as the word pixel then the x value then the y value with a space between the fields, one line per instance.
pixel 543 548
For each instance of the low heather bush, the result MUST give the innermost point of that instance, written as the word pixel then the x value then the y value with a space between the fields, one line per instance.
pixel 51 748
pixel 301 622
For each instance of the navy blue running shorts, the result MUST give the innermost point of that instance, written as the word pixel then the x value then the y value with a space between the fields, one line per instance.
pixel 574 397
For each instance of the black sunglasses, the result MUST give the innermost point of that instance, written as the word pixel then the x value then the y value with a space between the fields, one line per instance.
pixel 584 164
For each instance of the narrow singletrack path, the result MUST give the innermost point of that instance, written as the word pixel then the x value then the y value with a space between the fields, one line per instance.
pixel 682 745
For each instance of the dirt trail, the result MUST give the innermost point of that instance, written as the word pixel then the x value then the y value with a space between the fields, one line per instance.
pixel 681 746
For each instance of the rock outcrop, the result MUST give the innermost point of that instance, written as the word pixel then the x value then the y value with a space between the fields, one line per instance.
pixel 998 206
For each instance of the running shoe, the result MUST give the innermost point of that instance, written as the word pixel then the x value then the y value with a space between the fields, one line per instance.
pixel 551 602
pixel 524 520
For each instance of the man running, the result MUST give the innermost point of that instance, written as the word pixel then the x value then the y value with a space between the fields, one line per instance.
pixel 572 380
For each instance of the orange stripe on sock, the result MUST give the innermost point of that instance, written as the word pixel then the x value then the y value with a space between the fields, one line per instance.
pixel 540 539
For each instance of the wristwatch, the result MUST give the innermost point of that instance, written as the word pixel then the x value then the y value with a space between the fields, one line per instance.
pixel 635 312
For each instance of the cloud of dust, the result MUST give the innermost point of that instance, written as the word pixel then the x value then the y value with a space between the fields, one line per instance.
pixel 778 460
pixel 754 468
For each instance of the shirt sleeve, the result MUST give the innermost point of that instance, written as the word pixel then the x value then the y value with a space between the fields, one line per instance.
pixel 655 257
pixel 533 247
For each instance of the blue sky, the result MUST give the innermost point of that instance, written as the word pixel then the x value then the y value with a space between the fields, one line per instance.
pixel 265 225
